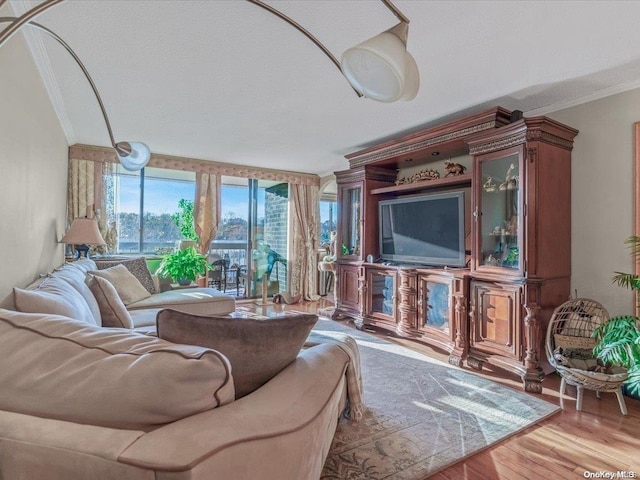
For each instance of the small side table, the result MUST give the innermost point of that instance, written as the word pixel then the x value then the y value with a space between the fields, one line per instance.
pixel 330 269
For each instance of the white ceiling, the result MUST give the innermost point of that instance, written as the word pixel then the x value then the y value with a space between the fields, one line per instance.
pixel 224 80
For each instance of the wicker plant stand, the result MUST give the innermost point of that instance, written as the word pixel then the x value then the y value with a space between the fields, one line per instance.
pixel 569 332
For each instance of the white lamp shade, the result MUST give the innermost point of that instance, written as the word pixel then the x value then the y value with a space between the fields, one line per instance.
pixel 411 78
pixel 376 67
pixel 137 158
pixel 83 231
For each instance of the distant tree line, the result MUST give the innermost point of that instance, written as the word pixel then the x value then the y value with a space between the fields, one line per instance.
pixel 163 229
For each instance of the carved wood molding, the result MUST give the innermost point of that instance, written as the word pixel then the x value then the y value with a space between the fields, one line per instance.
pixel 510 141
pixel 404 149
pixel 368 173
pixel 434 137
pixel 535 129
pixel 108 155
pixel 541 136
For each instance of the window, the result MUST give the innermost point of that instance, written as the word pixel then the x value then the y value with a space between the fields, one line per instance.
pixel 145 201
pixel 327 220
pixel 233 231
pixel 253 230
pixel 253 226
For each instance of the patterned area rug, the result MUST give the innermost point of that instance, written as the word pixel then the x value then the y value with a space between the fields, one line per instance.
pixel 423 415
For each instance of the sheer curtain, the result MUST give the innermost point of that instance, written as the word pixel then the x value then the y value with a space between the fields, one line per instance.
pixel 82 189
pixel 90 194
pixel 305 205
pixel 206 208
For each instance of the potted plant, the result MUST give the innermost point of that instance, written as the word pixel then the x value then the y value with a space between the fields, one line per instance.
pixel 186 224
pixel 619 338
pixel 184 266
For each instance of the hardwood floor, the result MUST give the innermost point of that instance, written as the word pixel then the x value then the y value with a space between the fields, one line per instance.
pixel 567 445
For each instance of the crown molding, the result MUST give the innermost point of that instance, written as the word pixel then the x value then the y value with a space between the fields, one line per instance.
pixel 572 102
pixel 38 51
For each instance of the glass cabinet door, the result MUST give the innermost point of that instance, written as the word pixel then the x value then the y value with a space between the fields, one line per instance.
pixel 350 216
pixel 382 290
pixel 499 221
pixel 433 305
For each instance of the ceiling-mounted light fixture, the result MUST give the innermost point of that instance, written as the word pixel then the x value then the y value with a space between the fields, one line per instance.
pixel 132 155
pixel 380 68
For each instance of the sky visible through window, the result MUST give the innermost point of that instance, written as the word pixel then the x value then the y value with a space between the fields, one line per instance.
pixel 158 200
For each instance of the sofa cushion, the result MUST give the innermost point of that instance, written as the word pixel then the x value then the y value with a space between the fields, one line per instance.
pixel 84 264
pixel 75 275
pixel 143 318
pixel 258 348
pixel 198 301
pixel 55 367
pixel 54 296
pixel 128 286
pixel 137 266
pixel 113 312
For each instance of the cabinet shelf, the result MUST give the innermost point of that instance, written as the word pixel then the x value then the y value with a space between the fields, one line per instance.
pixel 458 180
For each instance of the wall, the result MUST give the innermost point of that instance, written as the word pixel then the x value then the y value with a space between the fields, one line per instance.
pixel 33 162
pixel 602 196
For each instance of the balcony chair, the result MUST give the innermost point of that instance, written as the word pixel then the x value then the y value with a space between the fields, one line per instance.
pixel 217 276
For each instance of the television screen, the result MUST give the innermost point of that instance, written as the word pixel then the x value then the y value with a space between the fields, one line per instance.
pixel 425 229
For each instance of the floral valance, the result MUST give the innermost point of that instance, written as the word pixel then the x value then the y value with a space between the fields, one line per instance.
pixel 108 155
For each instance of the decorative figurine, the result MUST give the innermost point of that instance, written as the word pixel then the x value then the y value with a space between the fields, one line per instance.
pixel 453 169
pixel 510 180
pixel 422 175
pixel 489 186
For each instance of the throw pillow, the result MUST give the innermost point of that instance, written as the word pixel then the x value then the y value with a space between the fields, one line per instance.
pixel 55 367
pixel 128 286
pixel 113 312
pixel 258 349
pixel 56 297
pixel 137 266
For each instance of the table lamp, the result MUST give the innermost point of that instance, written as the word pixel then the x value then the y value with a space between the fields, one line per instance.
pixel 83 232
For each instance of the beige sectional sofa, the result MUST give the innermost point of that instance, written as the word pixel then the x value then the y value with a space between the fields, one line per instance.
pixel 80 400
pixel 199 301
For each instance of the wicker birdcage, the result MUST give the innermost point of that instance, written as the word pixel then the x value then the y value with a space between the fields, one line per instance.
pixel 569 347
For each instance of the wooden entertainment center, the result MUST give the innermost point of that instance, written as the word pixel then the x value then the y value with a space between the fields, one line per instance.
pixel 516 177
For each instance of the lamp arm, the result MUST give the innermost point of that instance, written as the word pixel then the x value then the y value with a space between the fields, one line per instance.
pixel 25 18
pixel 302 30
pixel 395 11
pixel 80 64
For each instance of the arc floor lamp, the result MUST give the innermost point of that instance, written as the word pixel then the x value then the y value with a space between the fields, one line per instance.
pixel 380 68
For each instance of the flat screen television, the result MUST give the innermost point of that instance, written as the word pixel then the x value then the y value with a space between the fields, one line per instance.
pixel 424 229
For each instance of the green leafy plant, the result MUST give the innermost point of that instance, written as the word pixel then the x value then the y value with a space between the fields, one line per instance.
pixel 619 338
pixel 184 220
pixel 184 266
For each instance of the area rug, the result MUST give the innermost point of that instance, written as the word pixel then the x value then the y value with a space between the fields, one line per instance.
pixel 422 414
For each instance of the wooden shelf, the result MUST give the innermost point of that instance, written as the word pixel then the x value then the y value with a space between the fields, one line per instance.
pixel 458 180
